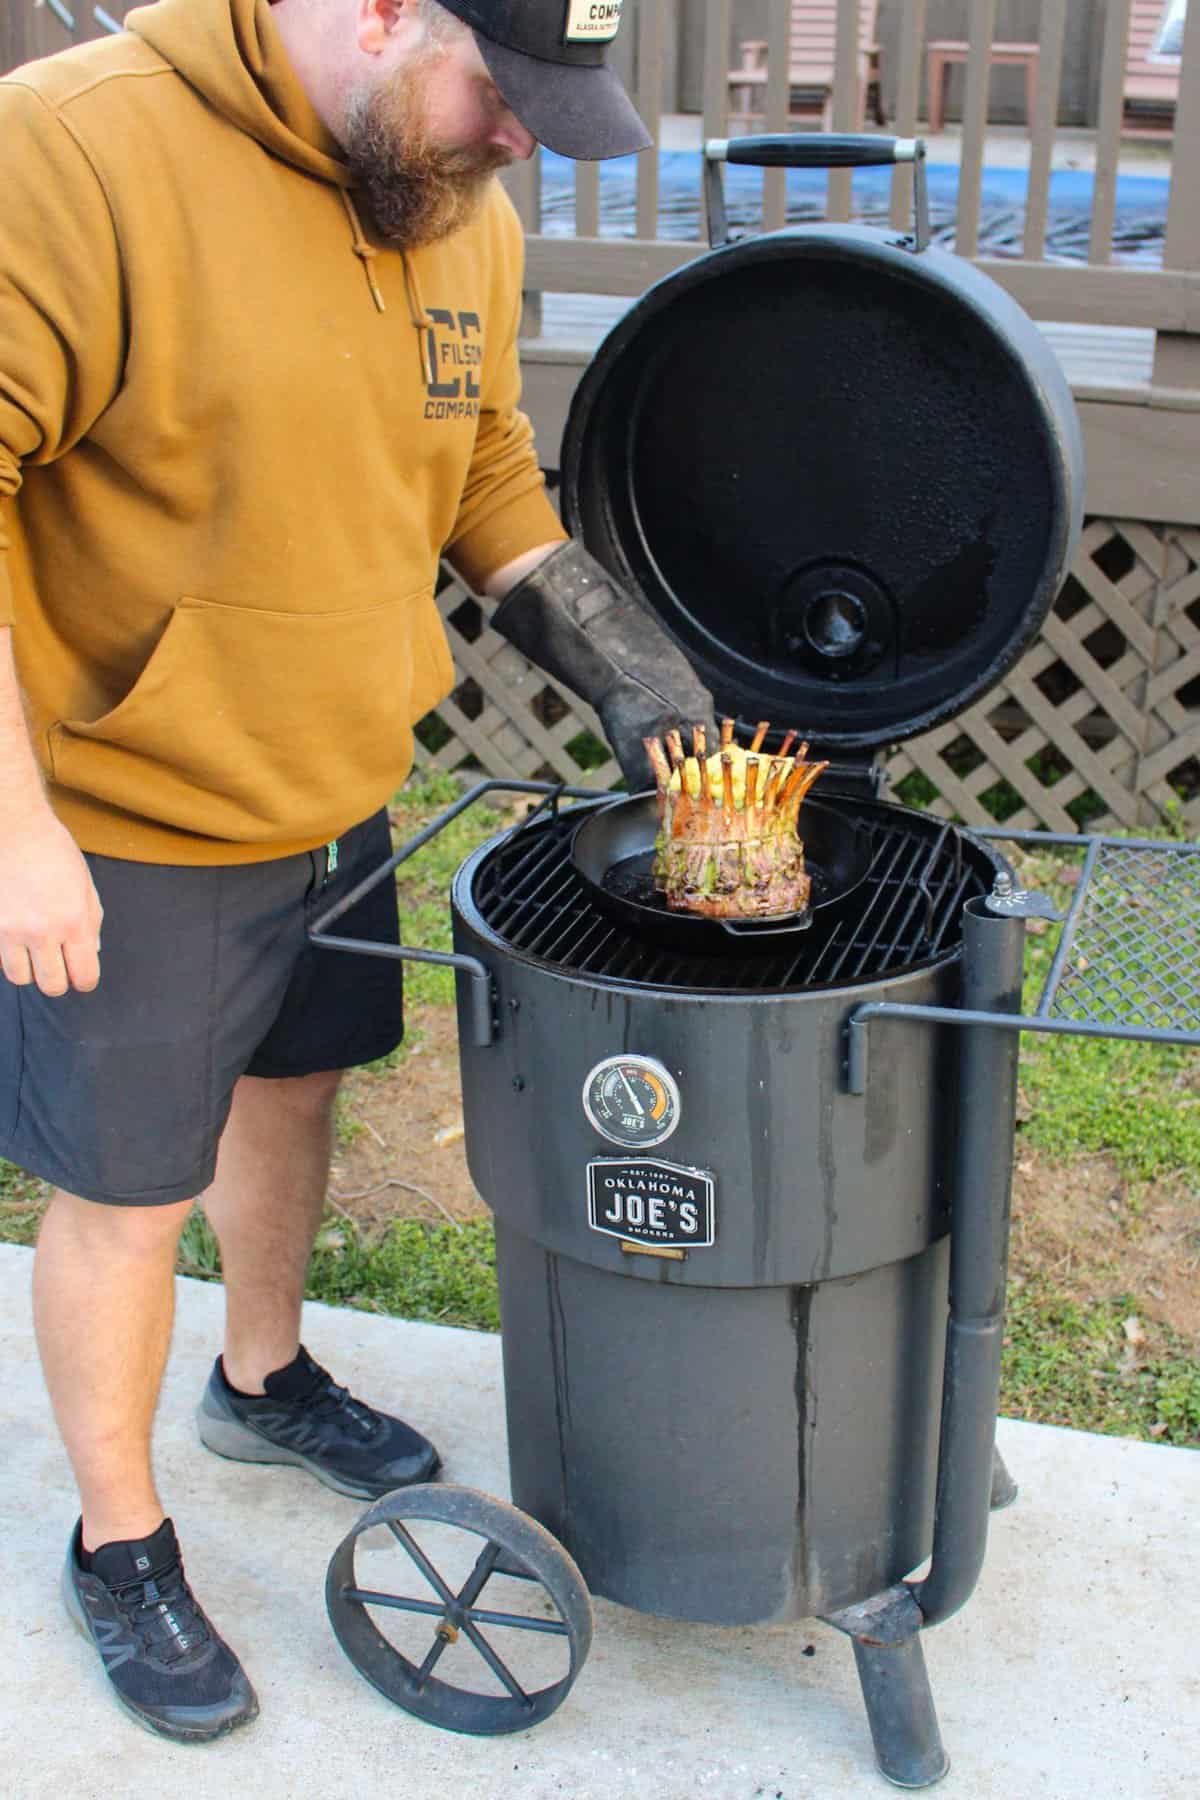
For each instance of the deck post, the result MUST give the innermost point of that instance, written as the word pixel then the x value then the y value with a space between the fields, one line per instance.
pixel 1177 354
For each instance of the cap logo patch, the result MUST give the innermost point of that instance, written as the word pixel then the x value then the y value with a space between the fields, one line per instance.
pixel 592 21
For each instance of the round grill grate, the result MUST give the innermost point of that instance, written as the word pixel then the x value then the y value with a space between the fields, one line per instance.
pixel 905 915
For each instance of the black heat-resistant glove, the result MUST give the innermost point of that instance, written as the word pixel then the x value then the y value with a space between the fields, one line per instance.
pixel 573 619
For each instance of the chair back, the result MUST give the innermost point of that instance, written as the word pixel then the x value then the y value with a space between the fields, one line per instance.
pixel 813 37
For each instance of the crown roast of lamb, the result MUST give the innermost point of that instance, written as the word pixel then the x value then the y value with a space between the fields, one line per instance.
pixel 728 845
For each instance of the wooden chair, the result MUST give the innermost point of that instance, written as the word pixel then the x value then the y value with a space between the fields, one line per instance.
pixel 943 52
pixel 812 44
pixel 1151 87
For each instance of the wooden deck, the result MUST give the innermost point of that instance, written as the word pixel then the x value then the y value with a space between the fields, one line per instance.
pixel 1093 356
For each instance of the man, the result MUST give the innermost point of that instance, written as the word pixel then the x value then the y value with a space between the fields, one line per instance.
pixel 258 302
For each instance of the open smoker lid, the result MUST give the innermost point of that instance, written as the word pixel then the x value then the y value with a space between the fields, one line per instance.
pixel 846 477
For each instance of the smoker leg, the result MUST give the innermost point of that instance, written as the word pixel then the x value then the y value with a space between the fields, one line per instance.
pixel 895 1685
pixel 886 1633
pixel 1004 1488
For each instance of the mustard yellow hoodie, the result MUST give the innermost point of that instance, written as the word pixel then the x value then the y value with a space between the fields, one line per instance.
pixel 235 435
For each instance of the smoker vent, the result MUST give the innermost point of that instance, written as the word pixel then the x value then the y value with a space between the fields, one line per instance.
pixel 904 915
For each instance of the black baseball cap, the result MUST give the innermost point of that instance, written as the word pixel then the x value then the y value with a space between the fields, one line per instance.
pixel 547 59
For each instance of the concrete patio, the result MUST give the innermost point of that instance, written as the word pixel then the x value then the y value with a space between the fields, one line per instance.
pixel 1072 1673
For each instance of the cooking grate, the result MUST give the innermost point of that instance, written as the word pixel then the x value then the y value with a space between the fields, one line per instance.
pixel 907 912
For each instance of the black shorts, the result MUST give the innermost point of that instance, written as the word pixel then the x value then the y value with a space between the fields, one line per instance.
pixel 207 974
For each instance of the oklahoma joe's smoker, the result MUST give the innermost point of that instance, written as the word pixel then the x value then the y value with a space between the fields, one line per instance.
pixel 751 1284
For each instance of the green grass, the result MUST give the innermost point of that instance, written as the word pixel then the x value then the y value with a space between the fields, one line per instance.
pixel 442 1273
pixel 589 751
pixel 423 883
pixel 347 1127
pixel 1128 1101
pixel 1071 1364
pixel 1138 1103
pixel 21 1200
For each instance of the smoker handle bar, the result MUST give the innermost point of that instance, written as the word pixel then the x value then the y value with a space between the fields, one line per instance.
pixel 857 1058
pixel 812 150
pixel 483 1023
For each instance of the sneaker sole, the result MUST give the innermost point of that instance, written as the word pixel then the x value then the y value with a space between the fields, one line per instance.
pixel 239 1443
pixel 178 1734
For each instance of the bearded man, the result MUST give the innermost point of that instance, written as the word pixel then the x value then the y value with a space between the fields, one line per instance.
pixel 259 293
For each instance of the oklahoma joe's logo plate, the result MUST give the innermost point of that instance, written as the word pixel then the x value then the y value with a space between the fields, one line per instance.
pixel 650 1202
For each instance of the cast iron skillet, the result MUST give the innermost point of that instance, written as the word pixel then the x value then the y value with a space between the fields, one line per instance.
pixel 613 848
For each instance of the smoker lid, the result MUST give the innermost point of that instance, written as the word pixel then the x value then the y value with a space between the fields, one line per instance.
pixel 845 476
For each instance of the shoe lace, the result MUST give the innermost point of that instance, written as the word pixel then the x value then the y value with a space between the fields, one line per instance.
pixel 331 1401
pixel 162 1610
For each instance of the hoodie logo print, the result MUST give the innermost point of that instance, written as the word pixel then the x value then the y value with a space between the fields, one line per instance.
pixel 453 356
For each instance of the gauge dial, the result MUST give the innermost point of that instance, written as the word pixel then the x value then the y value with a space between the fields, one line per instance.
pixel 632 1100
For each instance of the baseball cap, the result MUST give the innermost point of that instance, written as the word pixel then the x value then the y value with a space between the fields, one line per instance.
pixel 547 59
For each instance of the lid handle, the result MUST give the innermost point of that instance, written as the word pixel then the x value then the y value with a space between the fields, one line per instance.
pixel 812 150
pixel 815 150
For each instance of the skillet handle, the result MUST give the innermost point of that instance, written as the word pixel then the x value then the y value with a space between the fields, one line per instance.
pixel 756 931
pixel 812 150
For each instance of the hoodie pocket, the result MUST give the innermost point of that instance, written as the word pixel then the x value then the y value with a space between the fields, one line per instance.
pixel 264 727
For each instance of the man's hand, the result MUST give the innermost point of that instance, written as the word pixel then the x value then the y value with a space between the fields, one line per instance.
pixel 573 619
pixel 50 911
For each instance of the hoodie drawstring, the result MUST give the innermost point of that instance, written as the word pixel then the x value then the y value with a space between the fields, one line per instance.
pixel 364 250
pixel 412 293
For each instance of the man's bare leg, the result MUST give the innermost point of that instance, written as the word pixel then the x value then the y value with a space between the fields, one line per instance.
pixel 265 1206
pixel 104 1302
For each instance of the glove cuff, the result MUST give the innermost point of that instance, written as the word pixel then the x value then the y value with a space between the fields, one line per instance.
pixel 569 577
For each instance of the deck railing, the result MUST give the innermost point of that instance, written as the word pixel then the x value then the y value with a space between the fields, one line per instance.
pixel 1095 292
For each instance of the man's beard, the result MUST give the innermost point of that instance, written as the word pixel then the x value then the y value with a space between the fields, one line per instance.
pixel 417 191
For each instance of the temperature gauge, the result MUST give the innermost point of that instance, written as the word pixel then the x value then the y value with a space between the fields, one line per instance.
pixel 632 1100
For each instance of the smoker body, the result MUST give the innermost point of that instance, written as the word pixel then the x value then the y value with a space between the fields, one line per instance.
pixel 730 1455
pixel 749 1430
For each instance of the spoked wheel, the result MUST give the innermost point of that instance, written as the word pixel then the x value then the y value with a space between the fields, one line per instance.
pixel 504 1648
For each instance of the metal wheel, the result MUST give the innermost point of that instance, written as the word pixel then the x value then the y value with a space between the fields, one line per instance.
pixel 513 1544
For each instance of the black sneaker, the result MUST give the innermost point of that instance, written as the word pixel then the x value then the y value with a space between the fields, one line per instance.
pixel 305 1419
pixel 168 1667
